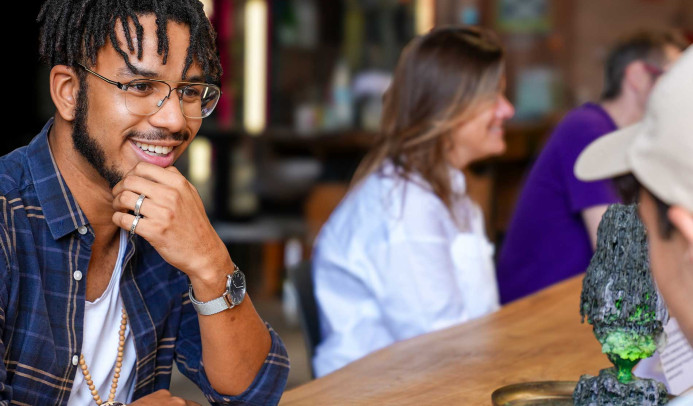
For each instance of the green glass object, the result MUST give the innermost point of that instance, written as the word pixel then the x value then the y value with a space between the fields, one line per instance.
pixel 624 367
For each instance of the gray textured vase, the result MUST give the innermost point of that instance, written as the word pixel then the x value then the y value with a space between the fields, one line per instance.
pixel 620 300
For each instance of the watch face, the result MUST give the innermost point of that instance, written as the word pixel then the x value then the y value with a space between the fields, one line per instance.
pixel 237 288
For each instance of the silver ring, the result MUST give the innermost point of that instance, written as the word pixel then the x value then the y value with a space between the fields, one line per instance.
pixel 134 225
pixel 138 205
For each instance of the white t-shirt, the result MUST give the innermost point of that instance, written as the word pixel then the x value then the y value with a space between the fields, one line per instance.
pixel 392 263
pixel 102 319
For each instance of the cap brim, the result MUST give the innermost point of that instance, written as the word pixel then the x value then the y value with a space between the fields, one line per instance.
pixel 606 157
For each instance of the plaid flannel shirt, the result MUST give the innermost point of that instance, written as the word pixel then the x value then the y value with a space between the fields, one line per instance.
pixel 45 239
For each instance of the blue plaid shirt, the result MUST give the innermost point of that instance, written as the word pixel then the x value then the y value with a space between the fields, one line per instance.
pixel 45 239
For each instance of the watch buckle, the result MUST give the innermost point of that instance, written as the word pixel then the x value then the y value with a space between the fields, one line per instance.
pixel 228 301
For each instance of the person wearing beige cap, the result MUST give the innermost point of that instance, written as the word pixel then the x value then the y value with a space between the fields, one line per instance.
pixel 658 153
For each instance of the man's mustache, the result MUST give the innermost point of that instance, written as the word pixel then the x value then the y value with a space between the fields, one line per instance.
pixel 159 135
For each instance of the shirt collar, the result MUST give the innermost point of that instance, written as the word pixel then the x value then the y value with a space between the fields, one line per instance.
pixel 60 208
pixel 458 185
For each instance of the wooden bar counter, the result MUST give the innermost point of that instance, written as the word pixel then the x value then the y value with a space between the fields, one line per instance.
pixel 539 338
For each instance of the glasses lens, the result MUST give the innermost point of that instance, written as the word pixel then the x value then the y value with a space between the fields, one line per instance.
pixel 198 100
pixel 145 97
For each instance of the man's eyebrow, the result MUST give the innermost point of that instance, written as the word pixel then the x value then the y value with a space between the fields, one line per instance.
pixel 196 79
pixel 130 72
pixel 135 71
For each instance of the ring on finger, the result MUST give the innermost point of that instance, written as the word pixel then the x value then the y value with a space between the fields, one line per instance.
pixel 134 225
pixel 138 204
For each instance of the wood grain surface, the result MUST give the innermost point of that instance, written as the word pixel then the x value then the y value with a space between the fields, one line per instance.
pixel 538 338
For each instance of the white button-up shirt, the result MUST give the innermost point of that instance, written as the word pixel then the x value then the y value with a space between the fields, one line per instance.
pixel 392 263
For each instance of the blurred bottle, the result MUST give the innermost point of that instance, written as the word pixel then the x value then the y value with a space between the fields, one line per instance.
pixel 307 27
pixel 242 200
pixel 340 113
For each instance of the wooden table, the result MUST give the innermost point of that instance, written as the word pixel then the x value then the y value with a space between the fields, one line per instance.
pixel 534 339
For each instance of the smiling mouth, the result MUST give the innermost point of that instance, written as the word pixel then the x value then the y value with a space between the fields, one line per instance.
pixel 154 150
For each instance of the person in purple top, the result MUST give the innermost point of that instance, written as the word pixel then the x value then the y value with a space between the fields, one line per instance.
pixel 553 231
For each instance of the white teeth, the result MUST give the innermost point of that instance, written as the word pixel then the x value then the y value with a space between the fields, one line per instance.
pixel 154 149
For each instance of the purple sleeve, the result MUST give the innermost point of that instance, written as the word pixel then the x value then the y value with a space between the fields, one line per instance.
pixel 579 133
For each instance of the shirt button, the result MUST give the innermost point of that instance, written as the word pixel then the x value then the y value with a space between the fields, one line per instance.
pixel 82 230
pixel 75 359
pixel 77 275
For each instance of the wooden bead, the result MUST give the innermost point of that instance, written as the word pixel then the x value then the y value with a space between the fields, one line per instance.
pixel 119 362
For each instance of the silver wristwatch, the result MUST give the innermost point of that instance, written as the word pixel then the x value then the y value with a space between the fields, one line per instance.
pixel 232 297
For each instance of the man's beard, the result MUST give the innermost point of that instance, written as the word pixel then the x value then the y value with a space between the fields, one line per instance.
pixel 86 145
pixel 90 149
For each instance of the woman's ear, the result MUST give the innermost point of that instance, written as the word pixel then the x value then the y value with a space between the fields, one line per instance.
pixel 682 219
pixel 64 87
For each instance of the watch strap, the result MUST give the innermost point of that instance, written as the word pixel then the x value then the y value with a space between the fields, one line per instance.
pixel 217 305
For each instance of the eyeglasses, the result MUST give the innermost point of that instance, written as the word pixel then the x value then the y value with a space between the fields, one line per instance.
pixel 145 97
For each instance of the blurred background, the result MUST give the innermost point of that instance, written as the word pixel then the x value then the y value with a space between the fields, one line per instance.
pixel 302 88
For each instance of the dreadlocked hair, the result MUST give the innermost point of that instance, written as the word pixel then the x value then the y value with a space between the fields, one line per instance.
pixel 73 31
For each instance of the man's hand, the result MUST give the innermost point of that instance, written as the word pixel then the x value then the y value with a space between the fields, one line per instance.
pixel 162 397
pixel 173 221
pixel 234 343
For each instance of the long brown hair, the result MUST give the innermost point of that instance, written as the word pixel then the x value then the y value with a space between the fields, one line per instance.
pixel 440 80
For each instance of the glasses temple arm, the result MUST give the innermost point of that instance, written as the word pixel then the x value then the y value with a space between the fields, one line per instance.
pixel 113 82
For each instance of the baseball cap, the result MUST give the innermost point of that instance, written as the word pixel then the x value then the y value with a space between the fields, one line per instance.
pixel 658 150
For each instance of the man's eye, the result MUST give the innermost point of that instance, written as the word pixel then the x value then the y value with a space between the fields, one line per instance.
pixel 191 92
pixel 141 87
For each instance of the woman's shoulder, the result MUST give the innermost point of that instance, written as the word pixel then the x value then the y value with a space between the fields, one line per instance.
pixel 377 200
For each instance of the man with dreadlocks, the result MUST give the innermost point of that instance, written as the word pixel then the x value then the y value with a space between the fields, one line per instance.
pixel 109 267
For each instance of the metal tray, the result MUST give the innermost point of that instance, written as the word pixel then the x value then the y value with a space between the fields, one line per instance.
pixel 556 393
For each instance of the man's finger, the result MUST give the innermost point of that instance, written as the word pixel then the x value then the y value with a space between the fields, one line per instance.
pixel 126 201
pixel 167 176
pixel 139 185
pixel 126 220
pixel 173 169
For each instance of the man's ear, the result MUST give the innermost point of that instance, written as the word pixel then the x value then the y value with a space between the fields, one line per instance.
pixel 64 87
pixel 682 219
pixel 637 77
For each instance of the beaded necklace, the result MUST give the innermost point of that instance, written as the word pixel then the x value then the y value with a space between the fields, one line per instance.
pixel 119 364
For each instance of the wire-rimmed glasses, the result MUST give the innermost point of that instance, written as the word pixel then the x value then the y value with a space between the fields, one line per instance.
pixel 653 70
pixel 145 97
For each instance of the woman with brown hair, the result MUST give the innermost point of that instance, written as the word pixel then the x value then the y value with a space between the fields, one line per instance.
pixel 405 252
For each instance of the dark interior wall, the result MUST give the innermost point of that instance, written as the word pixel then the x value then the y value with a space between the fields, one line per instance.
pixel 25 110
